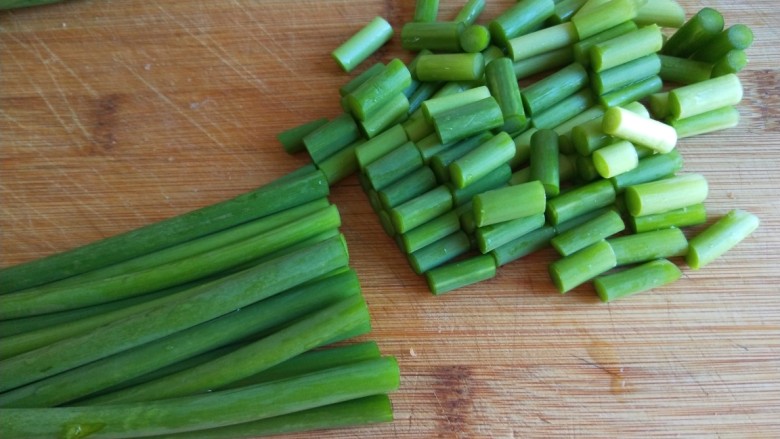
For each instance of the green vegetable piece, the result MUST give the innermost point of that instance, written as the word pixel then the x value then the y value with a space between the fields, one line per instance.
pixel 582 266
pixel 580 201
pixel 425 11
pixel 358 80
pixel 720 237
pixel 733 62
pixel 470 11
pixel 684 70
pixel 697 31
pixel 588 233
pixel 626 48
pixel 437 105
pixel 564 10
pixel 542 41
pixel 495 235
pixel 520 19
pixel 331 137
pixel 694 99
pixel 523 246
pixel 474 38
pixel 615 159
pixel 393 166
pixel 430 232
pixel 737 37
pixel 553 89
pixel 416 126
pixel 440 162
pixel 638 279
pixel 392 113
pixel 380 145
pixel 659 106
pixel 665 195
pixel 468 120
pixel 545 166
pixel 361 45
pixel 214 409
pixel 418 182
pixel 664 13
pixel 626 74
pixel 508 203
pixel 639 130
pixel 341 164
pixel 424 92
pixel 439 252
pixel 544 62
pixel 715 120
pixel 482 160
pixel 632 93
pixel 495 179
pixel 373 94
pixel 603 17
pixel 421 209
pixel 451 67
pixel 292 139
pixel 564 130
pixel 642 247
pixel 452 276
pixel 652 168
pixel 501 81
pixel 522 148
pixel 440 36
pixel 581 49
pixel 586 170
pixel 683 217
pixel 564 110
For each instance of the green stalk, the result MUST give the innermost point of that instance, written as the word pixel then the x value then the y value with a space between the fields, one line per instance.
pixel 632 93
pixel 508 203
pixel 306 333
pixel 376 147
pixel 586 170
pixel 356 412
pixel 659 105
pixel 582 266
pixel 421 209
pixel 545 166
pixel 733 62
pixel 580 201
pixel 564 129
pixel 393 166
pixel 638 279
pixel 342 164
pixel 520 19
pixel 179 346
pixel 652 168
pixel 588 233
pixel 603 17
pixel 292 139
pixel 626 74
pixel 470 11
pixel 468 120
pixel 639 130
pixel 626 47
pixel 362 44
pixel 439 252
pixel 430 232
pixel 523 246
pixel 720 237
pixel 493 180
pixel 544 62
pixel 201 304
pixel 474 38
pixel 564 10
pixel 44 300
pixel 642 247
pixel 581 219
pixel 692 100
pixel 522 148
pixel 715 120
pixel 502 83
pixel 440 36
pixel 554 88
pixel 542 41
pixel 440 162
pixel 482 160
pixel 451 67
pixel 684 70
pixel 615 159
pixel 270 198
pixel 737 37
pixel 683 217
pixel 358 80
pixel 211 410
pixel 418 182
pixel 425 11
pixel 564 110
pixel 393 112
pixel 665 195
pixel 430 145
pixel 331 137
pixel 493 236
pixel 435 106
pixel 452 276
pixel 581 49
pixel 424 92
pixel 665 13
pixel 697 31
pixel 372 95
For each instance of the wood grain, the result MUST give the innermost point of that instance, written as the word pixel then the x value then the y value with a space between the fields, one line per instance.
pixel 114 114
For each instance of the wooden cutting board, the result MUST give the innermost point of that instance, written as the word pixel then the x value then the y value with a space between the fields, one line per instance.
pixel 115 114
